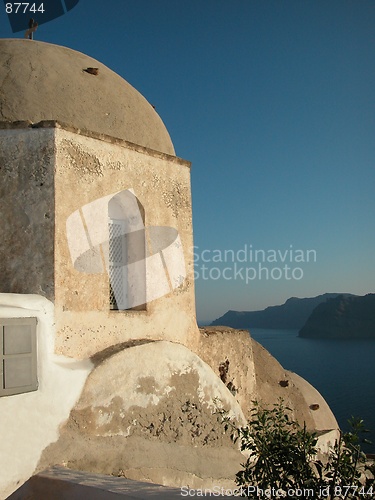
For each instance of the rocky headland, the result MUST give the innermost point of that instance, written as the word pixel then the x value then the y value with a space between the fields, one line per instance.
pixel 342 317
pixel 293 314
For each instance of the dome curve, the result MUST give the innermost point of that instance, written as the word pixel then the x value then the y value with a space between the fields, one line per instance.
pixel 41 81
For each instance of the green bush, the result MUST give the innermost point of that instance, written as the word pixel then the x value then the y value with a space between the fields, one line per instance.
pixel 282 459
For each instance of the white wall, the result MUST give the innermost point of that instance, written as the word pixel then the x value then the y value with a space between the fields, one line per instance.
pixel 30 422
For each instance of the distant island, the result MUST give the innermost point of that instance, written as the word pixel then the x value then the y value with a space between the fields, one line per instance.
pixel 342 317
pixel 293 314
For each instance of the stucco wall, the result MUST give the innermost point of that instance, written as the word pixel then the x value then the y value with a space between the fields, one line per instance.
pixel 29 422
pixel 229 353
pixel 50 173
pixel 252 373
pixel 27 211
pixel 148 412
pixel 87 170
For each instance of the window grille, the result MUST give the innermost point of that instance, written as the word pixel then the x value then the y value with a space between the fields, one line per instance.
pixel 117 268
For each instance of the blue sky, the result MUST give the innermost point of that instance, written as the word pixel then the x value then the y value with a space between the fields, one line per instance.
pixel 273 102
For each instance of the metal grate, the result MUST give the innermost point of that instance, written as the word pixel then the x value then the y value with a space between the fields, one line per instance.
pixel 117 295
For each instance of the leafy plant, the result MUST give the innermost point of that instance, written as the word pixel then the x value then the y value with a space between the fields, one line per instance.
pixel 347 472
pixel 282 459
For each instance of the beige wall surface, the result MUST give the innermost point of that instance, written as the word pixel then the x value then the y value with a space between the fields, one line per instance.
pixel 27 211
pixel 89 173
pixel 56 187
pixel 149 412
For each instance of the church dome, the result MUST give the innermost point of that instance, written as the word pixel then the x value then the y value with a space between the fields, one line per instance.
pixel 40 81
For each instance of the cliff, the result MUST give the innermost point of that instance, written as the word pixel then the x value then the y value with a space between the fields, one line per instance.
pixel 342 317
pixel 292 314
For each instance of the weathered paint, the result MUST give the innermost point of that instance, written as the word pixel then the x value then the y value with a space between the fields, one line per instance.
pixel 157 401
pixel 87 169
pixel 27 158
pixel 50 173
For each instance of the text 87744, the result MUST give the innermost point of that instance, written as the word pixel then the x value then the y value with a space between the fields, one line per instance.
pixel 23 8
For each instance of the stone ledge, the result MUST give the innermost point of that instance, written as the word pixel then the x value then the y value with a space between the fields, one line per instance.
pixel 23 124
pixel 214 330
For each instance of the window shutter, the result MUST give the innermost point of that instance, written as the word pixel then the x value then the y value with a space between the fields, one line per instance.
pixel 18 356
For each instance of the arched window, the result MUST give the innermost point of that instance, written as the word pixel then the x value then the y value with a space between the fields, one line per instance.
pixel 126 253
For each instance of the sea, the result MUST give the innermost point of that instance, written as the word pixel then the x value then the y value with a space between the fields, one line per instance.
pixel 343 371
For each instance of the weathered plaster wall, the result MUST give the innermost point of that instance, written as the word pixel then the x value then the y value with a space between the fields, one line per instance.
pixel 27 211
pixel 252 373
pixel 88 169
pixel 29 422
pixel 230 355
pixel 50 173
pixel 148 412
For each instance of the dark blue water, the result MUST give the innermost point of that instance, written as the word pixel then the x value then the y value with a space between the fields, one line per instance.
pixel 343 371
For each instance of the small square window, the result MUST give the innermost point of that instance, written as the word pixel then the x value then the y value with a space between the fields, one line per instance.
pixel 18 360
